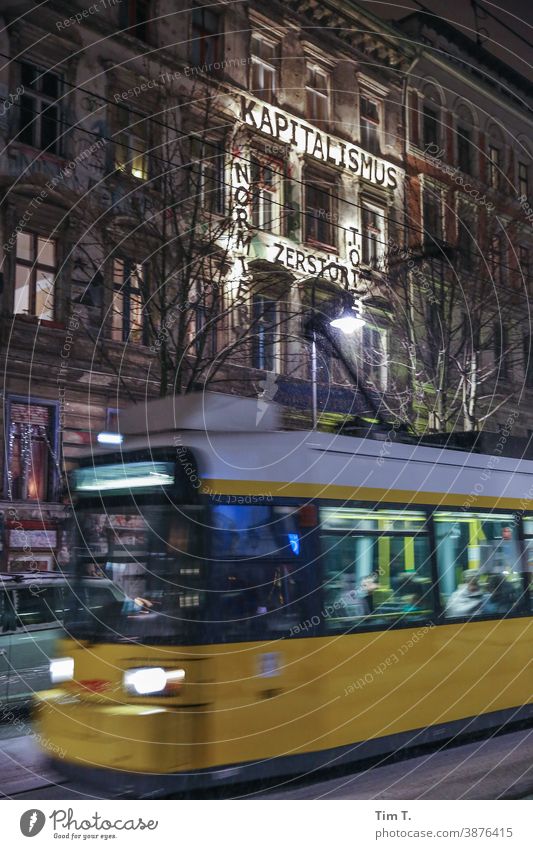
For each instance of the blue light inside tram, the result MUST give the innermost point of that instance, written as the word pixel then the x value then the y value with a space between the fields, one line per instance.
pixel 105 438
pixel 294 542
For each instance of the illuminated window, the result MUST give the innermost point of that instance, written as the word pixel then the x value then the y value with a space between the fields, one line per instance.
pixel 40 109
pixel 266 194
pixel 127 309
pixel 207 173
pixel 131 143
pixel 317 98
pixel 373 241
pixel 206 36
pixel 30 451
pixel 369 110
pixel 320 215
pixel 35 273
pixel 263 74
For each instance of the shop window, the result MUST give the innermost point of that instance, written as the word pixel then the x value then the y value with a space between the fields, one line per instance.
pixel 317 95
pixel 35 273
pixel 207 173
pixel 127 308
pixel 131 143
pixel 479 563
pixel 377 568
pixel 265 338
pixel 31 450
pixel 135 16
pixel 369 111
pixel 263 74
pixel 266 191
pixel 40 109
pixel 206 37
pixel 320 214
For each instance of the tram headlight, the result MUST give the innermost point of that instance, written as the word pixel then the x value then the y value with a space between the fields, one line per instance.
pixel 61 669
pixel 153 680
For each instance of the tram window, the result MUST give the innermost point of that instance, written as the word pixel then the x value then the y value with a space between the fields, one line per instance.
pixel 377 569
pixel 528 565
pixel 254 531
pixel 479 563
pixel 259 601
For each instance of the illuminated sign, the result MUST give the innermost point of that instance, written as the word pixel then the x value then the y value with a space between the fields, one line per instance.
pixel 318 144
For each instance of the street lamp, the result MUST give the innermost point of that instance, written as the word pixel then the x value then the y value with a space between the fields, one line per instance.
pixel 348 323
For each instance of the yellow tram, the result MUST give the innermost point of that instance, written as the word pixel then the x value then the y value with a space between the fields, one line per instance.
pixel 285 600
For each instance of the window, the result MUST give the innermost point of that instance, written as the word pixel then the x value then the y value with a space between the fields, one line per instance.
pixel 204 327
pixel 264 59
pixel 369 124
pixel 317 95
pixel 131 143
pixel 127 309
pixel 206 36
pixel 30 450
pixel 266 194
pixel 464 149
pixel 501 346
pixel 528 544
pixel 258 572
pixel 466 237
pixel 494 166
pixel 135 16
pixel 40 113
pixel 479 563
pixel 207 169
pixel 35 272
pixel 373 240
pixel 523 180
pixel 430 126
pixel 374 355
pixel 319 211
pixel 265 340
pixel 432 209
pixel 524 265
pixel 528 360
pixel 495 258
pixel 376 567
pixel 37 608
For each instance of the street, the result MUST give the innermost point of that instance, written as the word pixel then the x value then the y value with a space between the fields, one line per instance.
pixel 495 768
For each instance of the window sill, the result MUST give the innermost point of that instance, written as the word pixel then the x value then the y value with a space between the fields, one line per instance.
pixel 43 155
pixel 322 246
pixel 45 322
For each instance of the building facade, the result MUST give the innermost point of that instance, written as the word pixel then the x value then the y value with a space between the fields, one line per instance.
pixel 192 192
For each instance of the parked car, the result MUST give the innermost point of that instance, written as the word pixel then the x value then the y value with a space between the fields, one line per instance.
pixel 32 609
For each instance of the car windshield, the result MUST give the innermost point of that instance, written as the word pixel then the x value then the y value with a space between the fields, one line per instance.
pixel 151 554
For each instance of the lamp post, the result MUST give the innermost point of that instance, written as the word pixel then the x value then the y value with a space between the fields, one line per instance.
pixel 349 321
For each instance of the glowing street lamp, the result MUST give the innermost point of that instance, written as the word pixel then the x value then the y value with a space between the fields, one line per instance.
pixel 348 322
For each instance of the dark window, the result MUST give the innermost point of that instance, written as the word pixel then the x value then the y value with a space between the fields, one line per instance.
pixel 528 360
pixel 523 180
pixel 494 166
pixel 128 298
pixel 430 126
pixel 206 36
pixel 265 339
pixel 319 211
pixel 30 451
pixel 432 215
pixel 40 112
pixel 369 124
pixel 377 568
pixel 205 325
pixel 317 95
pixel 495 259
pixel 35 272
pixel 466 236
pixel 37 606
pixel 479 563
pixel 374 356
pixel 464 150
pixel 134 16
pixel 207 169
pixel 263 74
pixel 501 343
pixel 524 264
